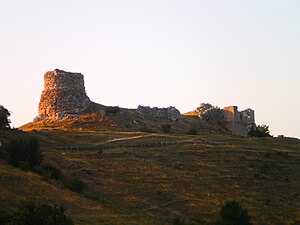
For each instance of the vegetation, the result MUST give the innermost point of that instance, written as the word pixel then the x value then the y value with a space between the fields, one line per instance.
pixel 260 131
pixel 166 128
pixel 30 213
pixel 193 131
pixel 4 121
pixel 112 110
pixel 147 130
pixel 74 184
pixel 48 171
pixel 232 213
pixel 144 179
pixel 5 217
pixel 25 153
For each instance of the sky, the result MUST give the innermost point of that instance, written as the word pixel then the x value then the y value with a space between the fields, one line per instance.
pixel 157 53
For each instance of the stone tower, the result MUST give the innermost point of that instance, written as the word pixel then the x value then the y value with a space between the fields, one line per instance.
pixel 239 123
pixel 63 96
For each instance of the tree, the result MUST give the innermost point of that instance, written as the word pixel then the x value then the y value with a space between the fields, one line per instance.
pixel 260 131
pixel 30 213
pixel 21 151
pixel 4 121
pixel 232 213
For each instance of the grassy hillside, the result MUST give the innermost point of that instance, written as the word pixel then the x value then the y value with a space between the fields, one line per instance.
pixel 141 178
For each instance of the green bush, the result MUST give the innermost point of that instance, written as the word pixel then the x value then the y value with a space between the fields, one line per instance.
pixel 30 213
pixel 232 213
pixel 112 110
pixel 192 131
pixel 146 130
pixel 166 128
pixel 74 184
pixel 260 131
pixel 24 152
pixel 5 217
pixel 48 171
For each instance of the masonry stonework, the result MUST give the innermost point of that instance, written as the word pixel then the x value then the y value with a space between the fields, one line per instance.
pixel 238 122
pixel 63 96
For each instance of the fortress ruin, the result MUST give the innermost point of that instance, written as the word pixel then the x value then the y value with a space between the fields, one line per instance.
pixel 238 122
pixel 63 96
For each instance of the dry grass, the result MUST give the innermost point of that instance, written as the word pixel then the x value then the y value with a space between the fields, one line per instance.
pixel 135 181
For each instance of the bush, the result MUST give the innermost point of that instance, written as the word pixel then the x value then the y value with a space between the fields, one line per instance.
pixel 260 131
pixel 112 110
pixel 48 171
pixel 192 131
pixel 26 153
pixel 4 121
pixel 166 128
pixel 232 213
pixel 75 184
pixel 5 217
pixel 146 130
pixel 30 213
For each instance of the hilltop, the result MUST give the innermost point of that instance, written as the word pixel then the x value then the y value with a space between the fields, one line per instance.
pixel 149 166
pixel 65 105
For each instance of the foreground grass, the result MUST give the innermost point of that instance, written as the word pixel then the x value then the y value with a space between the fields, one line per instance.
pixel 137 178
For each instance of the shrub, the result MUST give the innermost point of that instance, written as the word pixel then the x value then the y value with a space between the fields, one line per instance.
pixel 5 217
pixel 112 110
pixel 146 130
pixel 192 131
pixel 166 128
pixel 232 213
pixel 48 171
pixel 260 131
pixel 75 184
pixel 21 152
pixel 30 213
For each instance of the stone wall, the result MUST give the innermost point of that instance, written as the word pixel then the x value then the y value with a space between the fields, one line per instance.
pixel 239 123
pixel 63 96
pixel 165 113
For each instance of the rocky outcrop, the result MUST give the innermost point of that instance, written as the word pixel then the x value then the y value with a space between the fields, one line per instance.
pixel 165 113
pixel 63 96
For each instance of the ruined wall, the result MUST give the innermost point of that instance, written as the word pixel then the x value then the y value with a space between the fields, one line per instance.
pixel 165 113
pixel 239 123
pixel 63 96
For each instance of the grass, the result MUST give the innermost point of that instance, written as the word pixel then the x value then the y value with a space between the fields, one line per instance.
pixel 137 181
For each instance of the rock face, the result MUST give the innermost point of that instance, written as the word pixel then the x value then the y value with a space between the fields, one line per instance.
pixel 165 113
pixel 63 96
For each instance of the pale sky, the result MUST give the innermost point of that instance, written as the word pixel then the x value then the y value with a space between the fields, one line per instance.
pixel 157 53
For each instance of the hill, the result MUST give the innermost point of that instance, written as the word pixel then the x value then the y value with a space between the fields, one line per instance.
pixel 152 178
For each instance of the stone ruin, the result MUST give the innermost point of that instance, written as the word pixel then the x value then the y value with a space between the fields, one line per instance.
pixel 238 122
pixel 155 112
pixel 63 96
